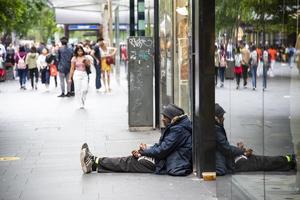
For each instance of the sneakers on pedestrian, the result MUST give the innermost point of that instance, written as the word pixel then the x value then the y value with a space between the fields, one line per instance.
pixel 86 159
pixel 61 95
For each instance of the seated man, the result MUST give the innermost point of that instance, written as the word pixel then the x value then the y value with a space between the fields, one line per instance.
pixel 171 155
pixel 231 158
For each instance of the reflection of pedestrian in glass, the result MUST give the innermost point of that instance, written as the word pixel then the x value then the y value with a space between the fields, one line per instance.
pixel 106 54
pixel 217 64
pixel 223 65
pixel 231 158
pixel 238 67
pixel 245 63
pixel 273 54
pixel 78 72
pixel 253 66
pixel 266 66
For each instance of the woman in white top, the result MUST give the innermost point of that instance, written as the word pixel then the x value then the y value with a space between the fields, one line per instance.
pixel 80 65
pixel 107 53
pixel 238 67
pixel 44 67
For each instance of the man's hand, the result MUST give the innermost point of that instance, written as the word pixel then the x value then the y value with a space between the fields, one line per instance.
pixel 248 152
pixel 136 153
pixel 143 146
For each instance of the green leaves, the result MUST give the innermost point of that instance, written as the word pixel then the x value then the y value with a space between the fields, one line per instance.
pixel 21 16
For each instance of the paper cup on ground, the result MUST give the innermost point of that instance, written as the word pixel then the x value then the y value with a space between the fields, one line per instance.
pixel 209 176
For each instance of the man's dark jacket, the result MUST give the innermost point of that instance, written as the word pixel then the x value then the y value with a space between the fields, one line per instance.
pixel 225 152
pixel 173 153
pixel 65 55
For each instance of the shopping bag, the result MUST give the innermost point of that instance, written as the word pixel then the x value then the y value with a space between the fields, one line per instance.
pixel 53 70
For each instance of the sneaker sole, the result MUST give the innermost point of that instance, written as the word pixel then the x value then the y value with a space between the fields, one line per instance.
pixel 83 165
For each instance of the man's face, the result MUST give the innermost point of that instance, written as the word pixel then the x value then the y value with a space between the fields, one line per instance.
pixel 222 119
pixel 166 121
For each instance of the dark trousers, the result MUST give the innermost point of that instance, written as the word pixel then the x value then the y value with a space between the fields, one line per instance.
pixel 45 76
pixel 222 74
pixel 263 163
pixel 124 164
pixel 238 78
pixel 265 70
pixel 34 74
pixel 22 76
pixel 253 75
pixel 98 76
pixel 245 74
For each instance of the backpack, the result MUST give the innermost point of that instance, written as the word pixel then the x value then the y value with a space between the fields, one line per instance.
pixel 21 62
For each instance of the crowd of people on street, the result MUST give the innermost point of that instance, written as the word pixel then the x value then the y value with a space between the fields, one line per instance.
pixel 71 63
pixel 250 60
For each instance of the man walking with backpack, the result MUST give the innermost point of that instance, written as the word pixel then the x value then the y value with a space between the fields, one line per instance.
pixel 64 64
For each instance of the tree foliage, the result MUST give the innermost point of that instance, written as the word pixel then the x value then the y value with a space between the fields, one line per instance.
pixel 268 15
pixel 20 16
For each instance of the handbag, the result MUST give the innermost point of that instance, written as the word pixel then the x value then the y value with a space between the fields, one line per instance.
pixel 110 60
pixel 53 70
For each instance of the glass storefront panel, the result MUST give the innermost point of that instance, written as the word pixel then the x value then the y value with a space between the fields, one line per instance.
pixel 264 112
pixel 181 55
pixel 166 51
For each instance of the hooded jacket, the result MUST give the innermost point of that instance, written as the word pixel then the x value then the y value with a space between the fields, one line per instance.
pixel 173 153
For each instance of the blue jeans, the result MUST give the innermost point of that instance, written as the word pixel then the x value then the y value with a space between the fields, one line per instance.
pixel 222 74
pixel 253 75
pixel 98 76
pixel 45 76
pixel 22 76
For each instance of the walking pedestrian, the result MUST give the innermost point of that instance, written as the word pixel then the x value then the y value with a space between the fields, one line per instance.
pixel 272 56
pixel 245 63
pixel 44 68
pixel 65 54
pixel 107 59
pixel 223 65
pixel 31 62
pixel 238 67
pixel 79 72
pixel 217 64
pixel 21 66
pixel 266 66
pixel 253 66
pixel 96 54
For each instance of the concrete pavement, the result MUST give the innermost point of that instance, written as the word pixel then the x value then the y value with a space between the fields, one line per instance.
pixel 46 132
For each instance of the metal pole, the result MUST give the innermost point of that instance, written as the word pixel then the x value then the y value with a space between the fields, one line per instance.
pixel 131 18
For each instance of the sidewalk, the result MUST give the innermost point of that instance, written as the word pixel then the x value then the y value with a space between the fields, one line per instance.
pixel 46 132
